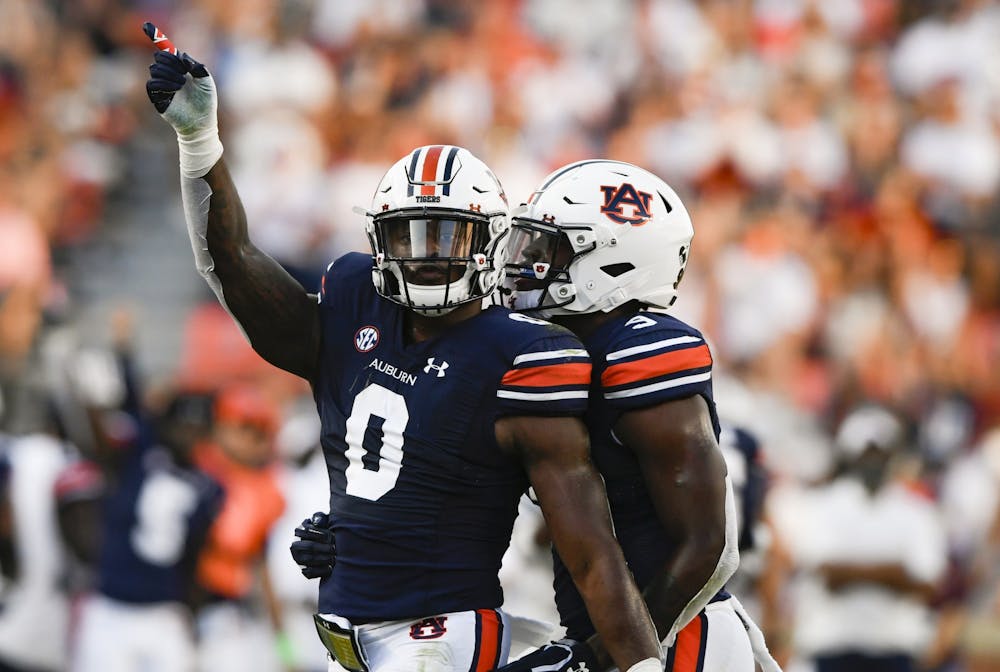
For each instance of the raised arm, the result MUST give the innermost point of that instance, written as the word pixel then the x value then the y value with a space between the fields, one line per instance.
pixel 278 316
pixel 556 455
pixel 685 474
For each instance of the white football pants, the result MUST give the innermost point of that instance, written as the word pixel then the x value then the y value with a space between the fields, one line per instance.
pixel 457 642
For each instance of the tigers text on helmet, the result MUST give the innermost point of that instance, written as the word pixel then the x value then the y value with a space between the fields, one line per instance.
pixel 438 225
pixel 597 234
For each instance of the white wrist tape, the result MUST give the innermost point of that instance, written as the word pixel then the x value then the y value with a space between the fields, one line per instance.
pixel 648 665
pixel 199 151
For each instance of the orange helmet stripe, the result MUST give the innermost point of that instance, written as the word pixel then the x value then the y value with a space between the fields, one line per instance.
pixel 429 173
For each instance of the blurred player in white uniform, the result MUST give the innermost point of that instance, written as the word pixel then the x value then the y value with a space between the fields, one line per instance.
pixel 34 621
pixel 304 485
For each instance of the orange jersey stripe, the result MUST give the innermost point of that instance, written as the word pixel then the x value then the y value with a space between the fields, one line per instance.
pixel 489 640
pixel 430 170
pixel 687 648
pixel 659 365
pixel 568 373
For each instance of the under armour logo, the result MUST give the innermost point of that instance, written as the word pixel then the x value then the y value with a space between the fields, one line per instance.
pixel 583 668
pixel 432 365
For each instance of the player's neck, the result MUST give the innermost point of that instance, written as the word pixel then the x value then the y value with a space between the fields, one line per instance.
pixel 586 324
pixel 418 327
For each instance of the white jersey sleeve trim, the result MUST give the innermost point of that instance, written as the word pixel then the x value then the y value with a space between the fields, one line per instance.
pixel 549 354
pixel 659 345
pixel 543 396
pixel 662 385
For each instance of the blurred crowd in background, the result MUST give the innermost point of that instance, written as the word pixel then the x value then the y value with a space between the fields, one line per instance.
pixel 840 160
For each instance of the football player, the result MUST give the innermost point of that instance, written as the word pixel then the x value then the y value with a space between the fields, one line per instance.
pixel 742 451
pixel 155 515
pixel 436 414
pixel 230 572
pixel 598 247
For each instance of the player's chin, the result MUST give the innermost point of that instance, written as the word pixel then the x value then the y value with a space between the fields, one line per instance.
pixel 432 275
pixel 527 285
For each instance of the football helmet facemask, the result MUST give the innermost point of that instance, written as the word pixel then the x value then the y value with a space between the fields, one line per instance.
pixel 438 225
pixel 594 236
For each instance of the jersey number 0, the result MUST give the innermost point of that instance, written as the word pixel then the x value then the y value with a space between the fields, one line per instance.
pixel 376 408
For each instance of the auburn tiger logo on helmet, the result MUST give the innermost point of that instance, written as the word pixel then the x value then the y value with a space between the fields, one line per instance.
pixel 626 195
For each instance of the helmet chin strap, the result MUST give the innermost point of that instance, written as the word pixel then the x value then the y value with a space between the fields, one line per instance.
pixel 612 300
pixel 432 312
pixel 528 301
pixel 421 298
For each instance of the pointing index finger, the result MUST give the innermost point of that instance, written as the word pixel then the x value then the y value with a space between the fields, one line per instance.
pixel 161 41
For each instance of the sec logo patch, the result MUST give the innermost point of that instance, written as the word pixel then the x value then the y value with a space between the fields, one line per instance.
pixel 366 338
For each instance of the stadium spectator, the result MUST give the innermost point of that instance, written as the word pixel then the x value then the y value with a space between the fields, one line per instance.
pixel 871 553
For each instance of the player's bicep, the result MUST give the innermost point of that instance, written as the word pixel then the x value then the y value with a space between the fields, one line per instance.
pixel 279 317
pixel 281 320
pixel 547 448
pixel 555 452
pixel 674 442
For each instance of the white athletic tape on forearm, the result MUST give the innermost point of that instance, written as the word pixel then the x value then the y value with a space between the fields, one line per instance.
pixel 648 665
pixel 729 560
pixel 197 196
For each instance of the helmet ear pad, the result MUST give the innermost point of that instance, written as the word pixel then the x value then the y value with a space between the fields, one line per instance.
pixel 462 208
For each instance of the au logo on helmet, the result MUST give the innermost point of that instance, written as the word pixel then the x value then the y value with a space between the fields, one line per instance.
pixel 626 195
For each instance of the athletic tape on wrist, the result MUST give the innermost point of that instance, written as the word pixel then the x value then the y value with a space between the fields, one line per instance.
pixel 198 152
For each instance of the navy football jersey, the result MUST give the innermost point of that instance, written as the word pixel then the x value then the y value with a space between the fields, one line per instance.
pixel 154 522
pixel 638 361
pixel 421 496
pixel 749 478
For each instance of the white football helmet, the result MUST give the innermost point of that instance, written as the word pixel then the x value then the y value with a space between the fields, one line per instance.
pixel 597 234
pixel 438 225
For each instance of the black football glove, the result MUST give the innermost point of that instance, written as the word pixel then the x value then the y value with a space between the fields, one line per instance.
pixel 315 549
pixel 565 655
pixel 180 88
